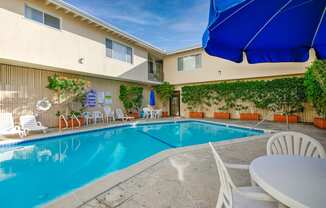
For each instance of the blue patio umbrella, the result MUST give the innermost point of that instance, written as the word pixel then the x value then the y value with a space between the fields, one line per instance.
pixel 152 97
pixel 266 31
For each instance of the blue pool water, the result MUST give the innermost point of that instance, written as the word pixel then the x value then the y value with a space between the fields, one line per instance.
pixel 34 173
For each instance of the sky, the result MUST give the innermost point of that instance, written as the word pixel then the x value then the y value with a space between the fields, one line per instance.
pixel 167 24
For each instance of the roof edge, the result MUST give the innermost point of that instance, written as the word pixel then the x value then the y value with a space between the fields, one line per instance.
pixel 108 26
pixel 194 47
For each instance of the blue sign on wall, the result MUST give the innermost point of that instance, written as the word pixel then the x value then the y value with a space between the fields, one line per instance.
pixel 90 100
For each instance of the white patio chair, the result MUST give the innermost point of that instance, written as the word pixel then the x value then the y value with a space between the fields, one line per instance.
pixel 158 113
pixel 7 126
pixel 147 113
pixel 29 123
pixel 121 116
pixel 97 115
pixel 231 196
pixel 295 143
pixel 87 117
pixel 108 114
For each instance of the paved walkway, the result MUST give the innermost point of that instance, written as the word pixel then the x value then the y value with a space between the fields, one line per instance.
pixel 190 179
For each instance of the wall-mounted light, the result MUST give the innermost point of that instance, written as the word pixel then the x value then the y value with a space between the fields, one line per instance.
pixel 81 60
pixel 219 72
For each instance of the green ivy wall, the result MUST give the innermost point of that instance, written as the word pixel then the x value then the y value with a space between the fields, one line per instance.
pixel 247 95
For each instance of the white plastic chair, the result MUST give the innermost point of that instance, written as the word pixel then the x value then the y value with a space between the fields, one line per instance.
pixel 97 115
pixel 295 143
pixel 120 115
pixel 108 114
pixel 7 126
pixel 147 113
pixel 158 113
pixel 29 123
pixel 87 117
pixel 231 196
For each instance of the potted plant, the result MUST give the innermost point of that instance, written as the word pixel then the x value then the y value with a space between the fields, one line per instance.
pixel 220 105
pixel 69 92
pixel 165 91
pixel 247 115
pixel 131 98
pixel 70 122
pixel 287 100
pixel 222 113
pixel 315 87
pixel 196 97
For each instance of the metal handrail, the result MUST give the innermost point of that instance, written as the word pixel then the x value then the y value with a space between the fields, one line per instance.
pixel 72 121
pixel 64 119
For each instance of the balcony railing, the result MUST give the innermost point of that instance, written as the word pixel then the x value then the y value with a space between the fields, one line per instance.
pixel 157 77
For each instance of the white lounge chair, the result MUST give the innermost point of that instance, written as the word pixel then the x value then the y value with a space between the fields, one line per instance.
pixel 121 116
pixel 29 123
pixel 97 115
pixel 231 196
pixel 7 126
pixel 87 117
pixel 295 143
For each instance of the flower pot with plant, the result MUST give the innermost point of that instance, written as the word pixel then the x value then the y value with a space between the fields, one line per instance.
pixel 131 98
pixel 222 104
pixel 249 116
pixel 287 100
pixel 69 92
pixel 165 91
pixel 282 118
pixel 315 88
pixel 196 98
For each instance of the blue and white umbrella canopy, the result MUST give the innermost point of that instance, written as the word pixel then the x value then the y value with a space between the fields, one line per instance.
pixel 152 97
pixel 266 30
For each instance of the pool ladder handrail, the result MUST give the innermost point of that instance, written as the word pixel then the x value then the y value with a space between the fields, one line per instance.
pixel 65 120
pixel 74 117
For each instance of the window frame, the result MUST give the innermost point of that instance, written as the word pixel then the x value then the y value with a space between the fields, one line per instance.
pixel 43 15
pixel 123 44
pixel 195 57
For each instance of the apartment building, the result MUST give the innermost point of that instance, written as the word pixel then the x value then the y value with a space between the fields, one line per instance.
pixel 193 65
pixel 39 38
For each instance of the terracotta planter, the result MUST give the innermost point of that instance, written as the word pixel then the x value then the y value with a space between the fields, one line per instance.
pixel 222 115
pixel 196 114
pixel 250 116
pixel 165 114
pixel 320 123
pixel 70 122
pixel 135 115
pixel 282 118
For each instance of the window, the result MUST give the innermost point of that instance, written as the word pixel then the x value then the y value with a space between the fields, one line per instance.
pixel 189 62
pixel 51 21
pixel 118 51
pixel 42 17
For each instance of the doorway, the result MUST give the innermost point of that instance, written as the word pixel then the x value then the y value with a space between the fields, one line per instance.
pixel 175 104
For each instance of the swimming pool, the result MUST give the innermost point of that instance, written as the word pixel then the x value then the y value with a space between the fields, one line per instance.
pixel 34 172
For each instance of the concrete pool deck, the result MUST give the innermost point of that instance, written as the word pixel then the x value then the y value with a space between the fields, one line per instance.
pixel 182 177
pixel 190 179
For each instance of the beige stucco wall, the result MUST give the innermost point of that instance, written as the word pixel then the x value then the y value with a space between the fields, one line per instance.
pixel 26 42
pixel 229 70
pixel 22 87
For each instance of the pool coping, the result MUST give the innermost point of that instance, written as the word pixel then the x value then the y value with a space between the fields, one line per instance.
pixel 83 194
pixel 14 142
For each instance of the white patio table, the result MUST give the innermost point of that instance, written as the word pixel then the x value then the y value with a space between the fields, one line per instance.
pixel 292 180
